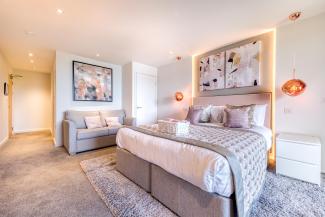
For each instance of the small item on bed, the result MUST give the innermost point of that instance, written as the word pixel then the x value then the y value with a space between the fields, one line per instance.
pixel 194 115
pixel 217 114
pixel 206 114
pixel 259 115
pixel 237 118
pixel 251 108
pixel 113 122
pixel 93 122
pixel 171 127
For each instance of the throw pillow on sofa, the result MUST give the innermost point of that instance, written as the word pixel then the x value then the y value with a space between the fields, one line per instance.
pixel 113 122
pixel 93 122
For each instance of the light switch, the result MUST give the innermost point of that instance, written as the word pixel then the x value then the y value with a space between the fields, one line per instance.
pixel 287 110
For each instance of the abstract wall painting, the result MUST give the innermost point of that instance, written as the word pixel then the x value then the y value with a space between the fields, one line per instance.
pixel 243 65
pixel 92 83
pixel 212 72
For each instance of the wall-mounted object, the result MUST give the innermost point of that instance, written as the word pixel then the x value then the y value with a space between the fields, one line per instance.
pixel 92 83
pixel 212 72
pixel 243 65
pixel 233 68
pixel 179 96
pixel 5 89
pixel 294 87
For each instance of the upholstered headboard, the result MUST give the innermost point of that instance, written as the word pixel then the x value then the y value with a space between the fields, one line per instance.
pixel 245 99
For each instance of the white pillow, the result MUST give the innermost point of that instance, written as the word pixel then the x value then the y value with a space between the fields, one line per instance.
pixel 93 122
pixel 113 121
pixel 259 115
pixel 217 114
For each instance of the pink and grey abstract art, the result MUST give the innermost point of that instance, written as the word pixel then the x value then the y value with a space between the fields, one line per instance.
pixel 92 83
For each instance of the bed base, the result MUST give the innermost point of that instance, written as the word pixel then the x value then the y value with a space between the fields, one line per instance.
pixel 178 195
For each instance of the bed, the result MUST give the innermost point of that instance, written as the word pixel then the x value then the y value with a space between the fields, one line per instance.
pixel 188 175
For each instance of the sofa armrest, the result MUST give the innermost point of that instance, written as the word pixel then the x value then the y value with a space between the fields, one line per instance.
pixel 129 121
pixel 70 136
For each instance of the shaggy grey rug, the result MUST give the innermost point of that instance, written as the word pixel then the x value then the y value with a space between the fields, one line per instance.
pixel 281 196
pixel 122 197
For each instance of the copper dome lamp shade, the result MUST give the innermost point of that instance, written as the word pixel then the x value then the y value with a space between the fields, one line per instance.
pixel 294 87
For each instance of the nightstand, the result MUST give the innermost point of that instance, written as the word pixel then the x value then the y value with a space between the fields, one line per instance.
pixel 299 156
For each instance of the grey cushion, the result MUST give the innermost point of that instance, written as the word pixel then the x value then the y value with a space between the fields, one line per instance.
pixel 194 115
pixel 91 133
pixel 113 131
pixel 112 113
pixel 78 117
pixel 237 118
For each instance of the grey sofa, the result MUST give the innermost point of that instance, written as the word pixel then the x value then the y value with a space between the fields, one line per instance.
pixel 76 136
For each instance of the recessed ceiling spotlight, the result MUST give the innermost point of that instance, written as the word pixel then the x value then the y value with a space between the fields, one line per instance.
pixel 31 61
pixel 59 11
pixel 171 52
pixel 97 55
pixel 30 54
pixel 29 33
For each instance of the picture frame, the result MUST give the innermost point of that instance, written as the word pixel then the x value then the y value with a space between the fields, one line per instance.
pixel 92 82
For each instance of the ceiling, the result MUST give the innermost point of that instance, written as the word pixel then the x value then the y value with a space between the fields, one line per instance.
pixel 152 32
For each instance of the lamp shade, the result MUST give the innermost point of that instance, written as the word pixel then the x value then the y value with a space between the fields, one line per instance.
pixel 294 87
pixel 179 96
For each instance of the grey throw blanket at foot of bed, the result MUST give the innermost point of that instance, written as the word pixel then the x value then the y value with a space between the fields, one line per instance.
pixel 245 151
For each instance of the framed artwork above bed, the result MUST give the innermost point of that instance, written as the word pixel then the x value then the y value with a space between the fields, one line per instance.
pixel 92 83
pixel 233 68
pixel 212 72
pixel 243 65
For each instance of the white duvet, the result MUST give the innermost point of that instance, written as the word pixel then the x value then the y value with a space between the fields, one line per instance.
pixel 203 168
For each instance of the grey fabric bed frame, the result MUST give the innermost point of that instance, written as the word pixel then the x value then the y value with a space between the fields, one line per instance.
pixel 183 198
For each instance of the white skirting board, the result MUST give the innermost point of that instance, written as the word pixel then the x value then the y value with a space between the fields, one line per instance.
pixel 32 130
pixel 4 141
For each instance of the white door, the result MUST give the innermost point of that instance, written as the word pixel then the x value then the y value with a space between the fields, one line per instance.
pixel 146 98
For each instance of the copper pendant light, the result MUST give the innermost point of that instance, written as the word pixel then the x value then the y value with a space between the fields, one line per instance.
pixel 294 87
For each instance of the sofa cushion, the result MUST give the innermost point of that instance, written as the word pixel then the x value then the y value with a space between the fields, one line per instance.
pixel 92 133
pixel 113 130
pixel 112 113
pixel 93 122
pixel 78 117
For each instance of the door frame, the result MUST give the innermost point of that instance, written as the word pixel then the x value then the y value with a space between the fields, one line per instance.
pixel 10 126
pixel 135 95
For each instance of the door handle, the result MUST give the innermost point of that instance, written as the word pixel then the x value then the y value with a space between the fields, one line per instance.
pixel 139 107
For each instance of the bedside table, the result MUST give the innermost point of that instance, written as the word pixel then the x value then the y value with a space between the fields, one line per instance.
pixel 299 156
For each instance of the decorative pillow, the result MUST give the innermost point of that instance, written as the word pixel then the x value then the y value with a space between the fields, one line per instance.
pixel 259 115
pixel 217 114
pixel 206 113
pixel 113 121
pixel 237 118
pixel 244 107
pixel 194 115
pixel 93 122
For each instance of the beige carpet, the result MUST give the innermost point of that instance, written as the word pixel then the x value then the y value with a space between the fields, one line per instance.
pixel 37 179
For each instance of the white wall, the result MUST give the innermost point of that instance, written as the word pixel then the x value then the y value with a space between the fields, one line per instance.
pixel 64 92
pixel 31 102
pixel 172 78
pixel 127 90
pixel 5 70
pixel 307 114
